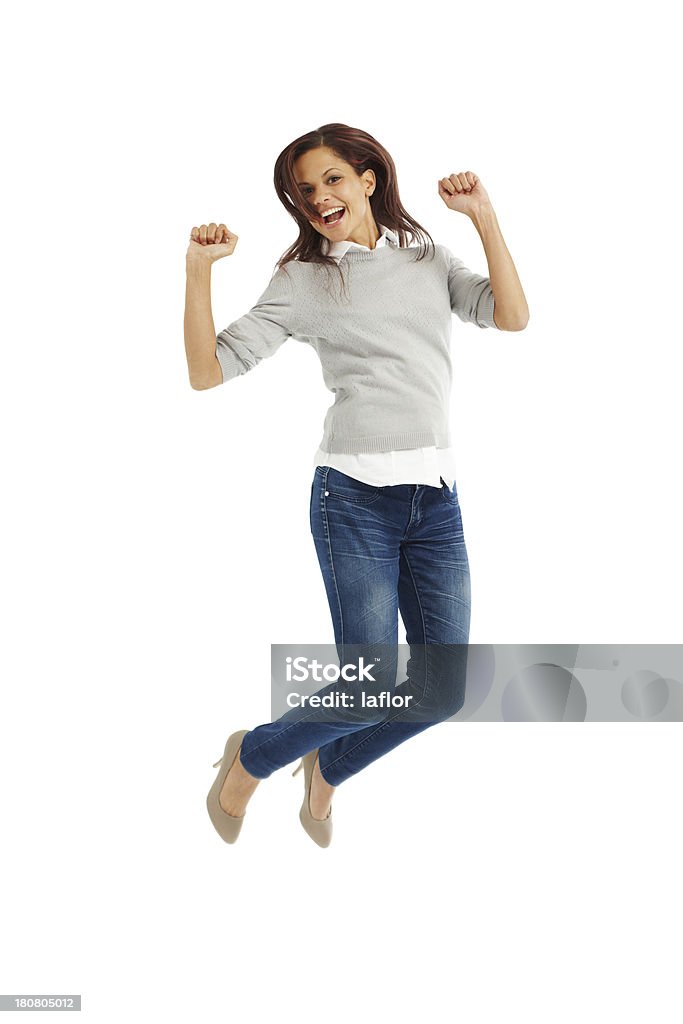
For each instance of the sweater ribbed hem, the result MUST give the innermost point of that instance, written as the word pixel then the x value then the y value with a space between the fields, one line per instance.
pixel 384 442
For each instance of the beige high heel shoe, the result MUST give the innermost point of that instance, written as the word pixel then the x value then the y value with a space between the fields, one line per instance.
pixel 227 825
pixel 320 830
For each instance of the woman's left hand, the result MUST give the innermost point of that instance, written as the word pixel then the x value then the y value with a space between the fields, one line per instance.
pixel 463 192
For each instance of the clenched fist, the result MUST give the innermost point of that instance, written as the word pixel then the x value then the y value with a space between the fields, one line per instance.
pixel 211 242
pixel 463 192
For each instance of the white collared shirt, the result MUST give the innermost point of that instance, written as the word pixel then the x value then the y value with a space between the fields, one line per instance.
pixel 410 466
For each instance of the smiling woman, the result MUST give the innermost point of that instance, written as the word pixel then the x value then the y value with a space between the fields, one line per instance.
pixel 341 168
pixel 384 513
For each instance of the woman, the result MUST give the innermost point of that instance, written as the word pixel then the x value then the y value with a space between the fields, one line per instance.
pixel 384 510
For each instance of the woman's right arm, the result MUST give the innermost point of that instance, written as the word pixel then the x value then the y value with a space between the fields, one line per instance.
pixel 208 243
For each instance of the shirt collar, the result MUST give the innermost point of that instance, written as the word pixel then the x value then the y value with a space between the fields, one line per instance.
pixel 338 249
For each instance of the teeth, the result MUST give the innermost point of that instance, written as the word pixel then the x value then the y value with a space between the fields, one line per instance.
pixel 335 209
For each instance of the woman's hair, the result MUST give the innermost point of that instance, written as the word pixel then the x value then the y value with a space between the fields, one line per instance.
pixel 361 151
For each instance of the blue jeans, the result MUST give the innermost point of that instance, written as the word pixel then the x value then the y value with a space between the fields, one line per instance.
pixel 382 550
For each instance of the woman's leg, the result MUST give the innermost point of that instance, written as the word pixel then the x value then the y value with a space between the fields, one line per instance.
pixel 434 601
pixel 357 531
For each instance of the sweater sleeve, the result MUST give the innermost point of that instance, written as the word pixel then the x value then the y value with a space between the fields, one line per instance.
pixel 471 294
pixel 259 333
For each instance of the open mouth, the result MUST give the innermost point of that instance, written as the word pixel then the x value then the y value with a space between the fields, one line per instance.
pixel 333 218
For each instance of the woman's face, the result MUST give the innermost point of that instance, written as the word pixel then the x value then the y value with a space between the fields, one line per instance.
pixel 328 182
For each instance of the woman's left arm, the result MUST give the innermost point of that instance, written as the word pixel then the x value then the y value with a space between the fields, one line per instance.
pixel 465 193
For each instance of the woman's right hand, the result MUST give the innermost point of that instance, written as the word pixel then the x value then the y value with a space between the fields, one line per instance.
pixel 211 242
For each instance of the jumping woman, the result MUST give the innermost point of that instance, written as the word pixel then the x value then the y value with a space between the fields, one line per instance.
pixel 384 511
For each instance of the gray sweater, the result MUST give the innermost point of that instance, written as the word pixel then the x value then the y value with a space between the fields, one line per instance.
pixel 385 351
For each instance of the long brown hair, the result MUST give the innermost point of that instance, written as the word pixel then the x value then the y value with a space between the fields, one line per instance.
pixel 361 151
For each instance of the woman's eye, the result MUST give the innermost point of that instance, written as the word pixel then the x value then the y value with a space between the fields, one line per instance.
pixel 333 177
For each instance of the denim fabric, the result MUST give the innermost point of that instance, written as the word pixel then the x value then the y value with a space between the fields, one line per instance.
pixel 382 550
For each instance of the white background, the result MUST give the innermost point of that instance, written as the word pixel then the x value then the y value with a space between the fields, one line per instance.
pixel 156 539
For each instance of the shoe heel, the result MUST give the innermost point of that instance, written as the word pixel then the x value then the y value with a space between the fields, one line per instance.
pixel 217 763
pixel 298 768
pixel 320 831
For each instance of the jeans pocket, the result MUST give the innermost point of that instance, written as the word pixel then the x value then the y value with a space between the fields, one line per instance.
pixel 340 485
pixel 449 495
